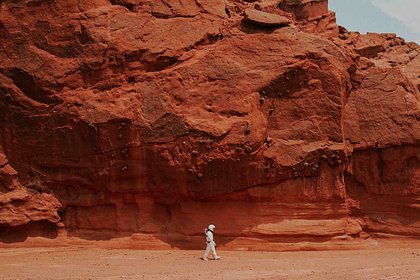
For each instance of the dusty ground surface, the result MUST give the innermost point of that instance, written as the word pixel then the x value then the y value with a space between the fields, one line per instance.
pixel 387 261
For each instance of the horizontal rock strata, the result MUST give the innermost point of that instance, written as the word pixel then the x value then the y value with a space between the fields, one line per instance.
pixel 149 120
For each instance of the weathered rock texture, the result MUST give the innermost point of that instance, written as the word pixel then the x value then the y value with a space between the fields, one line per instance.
pixel 152 119
pixel 19 205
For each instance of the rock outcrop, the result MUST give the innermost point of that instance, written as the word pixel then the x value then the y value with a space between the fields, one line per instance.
pixel 265 19
pixel 151 119
pixel 19 205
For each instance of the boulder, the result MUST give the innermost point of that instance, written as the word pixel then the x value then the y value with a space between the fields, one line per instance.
pixel 265 19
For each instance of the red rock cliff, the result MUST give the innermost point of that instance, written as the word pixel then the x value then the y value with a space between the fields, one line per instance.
pixel 152 119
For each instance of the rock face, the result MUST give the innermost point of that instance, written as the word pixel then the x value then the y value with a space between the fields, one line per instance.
pixel 152 119
pixel 313 15
pixel 306 9
pixel 19 205
pixel 265 19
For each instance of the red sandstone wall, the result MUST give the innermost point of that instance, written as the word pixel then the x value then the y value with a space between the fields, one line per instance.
pixel 122 118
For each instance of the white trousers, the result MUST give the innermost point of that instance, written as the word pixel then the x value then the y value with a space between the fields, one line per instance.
pixel 210 246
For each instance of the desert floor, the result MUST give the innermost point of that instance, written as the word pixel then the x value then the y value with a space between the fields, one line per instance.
pixel 387 261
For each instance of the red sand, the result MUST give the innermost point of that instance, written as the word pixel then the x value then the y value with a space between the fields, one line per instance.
pixel 394 260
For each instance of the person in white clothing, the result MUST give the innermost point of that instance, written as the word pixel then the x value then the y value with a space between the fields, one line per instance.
pixel 211 245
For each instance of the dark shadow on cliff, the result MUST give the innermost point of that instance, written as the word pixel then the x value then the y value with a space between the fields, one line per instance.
pixel 237 222
pixel 383 213
pixel 97 235
pixel 251 28
pixel 32 229
pixel 181 225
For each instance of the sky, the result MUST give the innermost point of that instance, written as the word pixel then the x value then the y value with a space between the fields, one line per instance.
pixel 385 16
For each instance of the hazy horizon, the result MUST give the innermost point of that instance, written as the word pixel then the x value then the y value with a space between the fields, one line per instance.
pixel 384 16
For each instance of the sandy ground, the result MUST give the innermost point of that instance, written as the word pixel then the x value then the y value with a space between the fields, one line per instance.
pixel 384 262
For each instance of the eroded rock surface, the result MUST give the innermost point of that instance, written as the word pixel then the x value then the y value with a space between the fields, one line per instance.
pixel 265 19
pixel 20 205
pixel 155 118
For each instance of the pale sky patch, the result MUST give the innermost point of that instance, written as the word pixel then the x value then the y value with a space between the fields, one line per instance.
pixel 382 16
pixel 407 11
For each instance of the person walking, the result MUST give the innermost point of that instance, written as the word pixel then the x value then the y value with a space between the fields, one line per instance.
pixel 211 245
